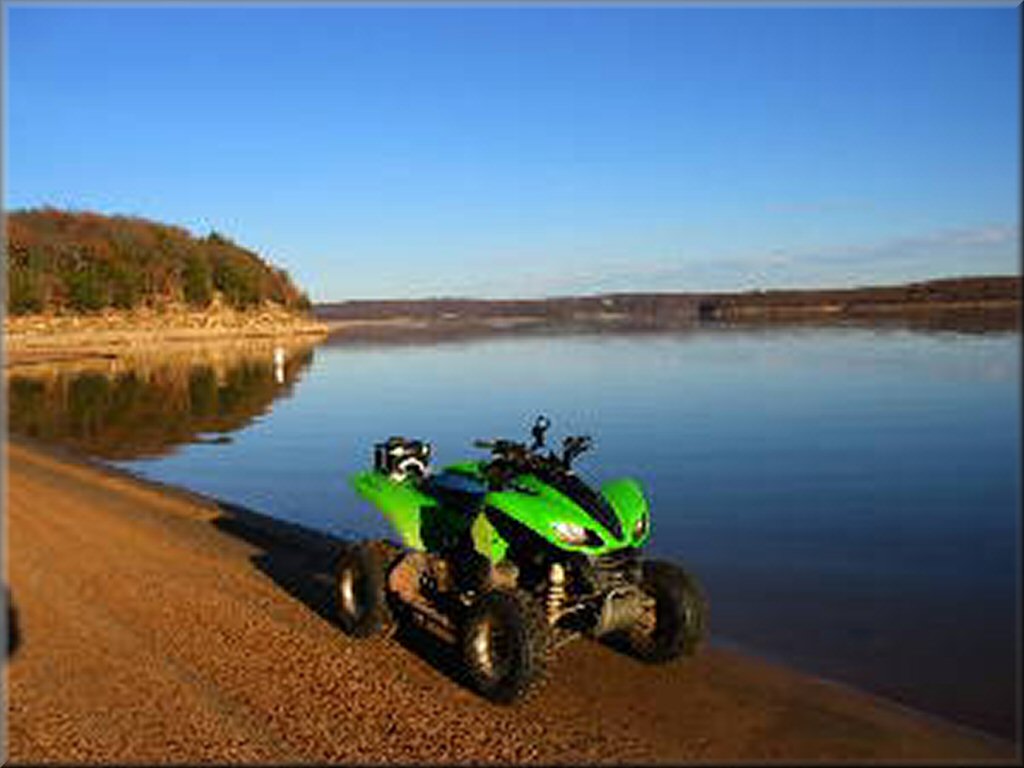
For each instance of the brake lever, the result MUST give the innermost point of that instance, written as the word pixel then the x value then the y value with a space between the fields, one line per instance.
pixel 573 446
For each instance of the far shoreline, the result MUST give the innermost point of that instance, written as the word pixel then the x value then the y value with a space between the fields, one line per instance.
pixel 977 304
pixel 970 303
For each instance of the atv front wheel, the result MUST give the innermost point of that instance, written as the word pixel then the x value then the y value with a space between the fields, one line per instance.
pixel 505 645
pixel 675 624
pixel 359 591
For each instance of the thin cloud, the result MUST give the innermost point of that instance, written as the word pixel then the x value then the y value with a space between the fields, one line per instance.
pixel 984 236
pixel 923 246
pixel 819 206
pixel 989 249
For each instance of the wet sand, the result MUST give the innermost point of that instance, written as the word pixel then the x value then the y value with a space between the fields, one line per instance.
pixel 159 626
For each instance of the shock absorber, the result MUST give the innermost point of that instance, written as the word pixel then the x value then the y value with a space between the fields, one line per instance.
pixel 556 592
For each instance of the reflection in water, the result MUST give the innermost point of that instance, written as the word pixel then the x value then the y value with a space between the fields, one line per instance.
pixel 145 406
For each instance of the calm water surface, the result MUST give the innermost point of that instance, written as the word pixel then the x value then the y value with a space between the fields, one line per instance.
pixel 850 498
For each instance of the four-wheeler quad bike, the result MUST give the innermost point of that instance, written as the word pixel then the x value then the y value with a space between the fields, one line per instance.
pixel 510 557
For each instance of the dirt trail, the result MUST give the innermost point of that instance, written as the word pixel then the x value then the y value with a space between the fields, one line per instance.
pixel 158 627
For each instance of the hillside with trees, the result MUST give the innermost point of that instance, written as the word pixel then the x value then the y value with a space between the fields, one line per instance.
pixel 80 262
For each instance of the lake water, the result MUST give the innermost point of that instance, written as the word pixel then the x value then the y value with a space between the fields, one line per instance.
pixel 849 497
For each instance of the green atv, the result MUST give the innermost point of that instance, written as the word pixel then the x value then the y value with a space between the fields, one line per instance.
pixel 510 557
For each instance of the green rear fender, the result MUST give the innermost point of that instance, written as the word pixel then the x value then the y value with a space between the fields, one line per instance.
pixel 402 504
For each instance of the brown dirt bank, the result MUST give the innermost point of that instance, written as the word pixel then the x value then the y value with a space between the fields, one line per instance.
pixel 158 626
pixel 55 338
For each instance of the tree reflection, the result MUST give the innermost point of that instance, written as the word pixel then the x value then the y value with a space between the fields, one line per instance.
pixel 149 407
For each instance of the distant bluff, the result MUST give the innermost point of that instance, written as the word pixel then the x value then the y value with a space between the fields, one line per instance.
pixel 75 261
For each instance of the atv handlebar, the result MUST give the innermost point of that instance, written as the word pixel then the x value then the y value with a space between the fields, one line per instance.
pixel 500 446
pixel 505 449
pixel 523 457
pixel 573 446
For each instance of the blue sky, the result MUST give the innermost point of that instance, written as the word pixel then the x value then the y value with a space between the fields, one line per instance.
pixel 468 150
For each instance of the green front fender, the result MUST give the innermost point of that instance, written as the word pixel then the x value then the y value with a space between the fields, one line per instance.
pixel 539 507
pixel 630 505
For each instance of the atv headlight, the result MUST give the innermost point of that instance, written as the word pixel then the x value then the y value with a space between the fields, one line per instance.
pixel 570 533
pixel 640 528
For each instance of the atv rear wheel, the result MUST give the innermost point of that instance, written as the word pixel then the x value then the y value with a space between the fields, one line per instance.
pixel 675 624
pixel 505 645
pixel 359 591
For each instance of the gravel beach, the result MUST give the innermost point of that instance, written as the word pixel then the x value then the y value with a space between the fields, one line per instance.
pixel 159 626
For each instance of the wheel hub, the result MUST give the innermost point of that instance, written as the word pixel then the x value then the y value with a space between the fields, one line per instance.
pixel 483 647
pixel 347 592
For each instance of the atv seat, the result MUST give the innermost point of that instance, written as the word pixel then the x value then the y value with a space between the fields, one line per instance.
pixel 456 491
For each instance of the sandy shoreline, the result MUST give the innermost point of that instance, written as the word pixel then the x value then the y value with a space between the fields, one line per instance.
pixel 157 626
